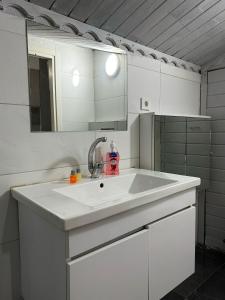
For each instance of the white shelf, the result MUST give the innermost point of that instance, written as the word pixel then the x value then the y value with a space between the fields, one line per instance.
pixel 186 116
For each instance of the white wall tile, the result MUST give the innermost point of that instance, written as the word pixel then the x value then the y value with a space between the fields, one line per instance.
pixel 8 206
pixel 105 89
pixel 85 89
pixel 14 74
pixel 110 109
pixel 127 141
pixel 77 110
pixel 144 62
pixel 110 92
pixel 143 83
pixel 12 24
pixel 179 96
pixel 75 58
pixel 74 126
pixel 180 73
pixel 100 59
pixel 22 151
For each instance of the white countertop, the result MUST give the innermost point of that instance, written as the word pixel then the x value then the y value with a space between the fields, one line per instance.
pixel 67 213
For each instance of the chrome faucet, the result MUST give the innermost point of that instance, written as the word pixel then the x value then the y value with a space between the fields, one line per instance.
pixel 95 168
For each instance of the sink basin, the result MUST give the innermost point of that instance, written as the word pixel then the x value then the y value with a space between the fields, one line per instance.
pixel 72 206
pixel 97 193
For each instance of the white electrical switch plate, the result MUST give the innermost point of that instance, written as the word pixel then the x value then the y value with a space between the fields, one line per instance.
pixel 145 104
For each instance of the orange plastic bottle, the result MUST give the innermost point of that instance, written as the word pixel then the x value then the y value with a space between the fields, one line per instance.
pixel 73 177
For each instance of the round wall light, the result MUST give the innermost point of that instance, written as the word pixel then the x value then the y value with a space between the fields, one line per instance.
pixel 112 65
pixel 76 78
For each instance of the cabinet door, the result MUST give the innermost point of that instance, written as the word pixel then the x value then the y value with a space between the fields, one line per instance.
pixel 171 252
pixel 118 271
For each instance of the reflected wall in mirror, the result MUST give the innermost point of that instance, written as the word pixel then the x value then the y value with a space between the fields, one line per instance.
pixel 75 84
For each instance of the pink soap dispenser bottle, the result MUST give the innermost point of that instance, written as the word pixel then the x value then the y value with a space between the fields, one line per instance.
pixel 112 160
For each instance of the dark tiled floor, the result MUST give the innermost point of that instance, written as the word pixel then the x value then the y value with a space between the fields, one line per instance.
pixel 208 281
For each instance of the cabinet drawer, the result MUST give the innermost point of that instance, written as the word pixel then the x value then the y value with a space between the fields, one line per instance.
pixel 171 252
pixel 95 234
pixel 118 271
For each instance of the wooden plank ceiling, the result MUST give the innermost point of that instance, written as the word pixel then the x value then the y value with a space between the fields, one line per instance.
pixel 193 30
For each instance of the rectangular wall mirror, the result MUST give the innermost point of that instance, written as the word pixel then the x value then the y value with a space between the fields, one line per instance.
pixel 75 84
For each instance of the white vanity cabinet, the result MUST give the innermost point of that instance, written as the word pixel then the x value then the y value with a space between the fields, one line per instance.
pixel 140 254
pixel 171 252
pixel 117 271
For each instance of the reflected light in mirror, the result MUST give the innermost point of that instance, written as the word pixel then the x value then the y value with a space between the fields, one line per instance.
pixel 112 65
pixel 76 78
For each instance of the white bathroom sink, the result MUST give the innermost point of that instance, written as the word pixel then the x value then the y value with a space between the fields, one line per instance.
pixel 97 193
pixel 71 206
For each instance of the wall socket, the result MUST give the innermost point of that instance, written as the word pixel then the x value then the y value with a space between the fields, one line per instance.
pixel 145 103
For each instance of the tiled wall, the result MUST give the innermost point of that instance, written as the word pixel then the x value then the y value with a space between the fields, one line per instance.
pixel 27 157
pixel 185 150
pixel 215 198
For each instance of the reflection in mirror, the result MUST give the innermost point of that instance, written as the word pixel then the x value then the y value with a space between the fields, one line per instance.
pixel 75 84
pixel 42 98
